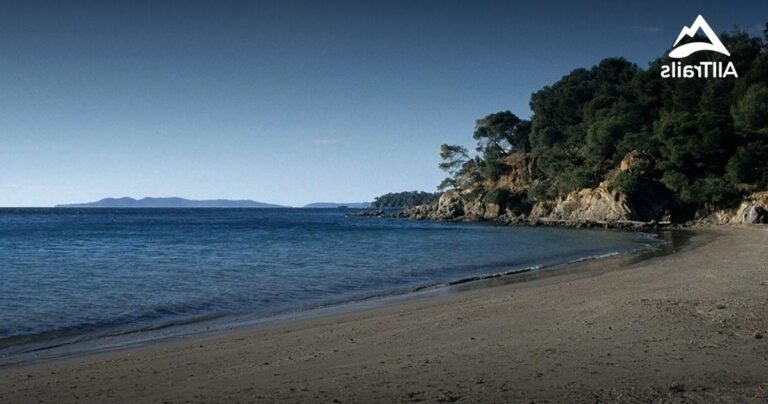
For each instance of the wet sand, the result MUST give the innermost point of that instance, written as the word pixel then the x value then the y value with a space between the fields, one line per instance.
pixel 686 327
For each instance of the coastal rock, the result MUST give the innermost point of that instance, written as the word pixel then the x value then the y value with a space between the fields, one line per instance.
pixel 480 210
pixel 492 211
pixel 419 212
pixel 587 207
pixel 474 210
pixel 592 204
pixel 753 210
pixel 519 176
pixel 651 206
pixel 756 214
pixel 636 162
pixel 450 206
pixel 719 217
pixel 541 209
pixel 370 213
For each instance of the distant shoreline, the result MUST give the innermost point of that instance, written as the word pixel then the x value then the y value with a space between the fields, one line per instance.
pixel 182 203
pixel 170 202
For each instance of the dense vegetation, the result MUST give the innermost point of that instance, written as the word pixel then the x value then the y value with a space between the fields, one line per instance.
pixel 705 140
pixel 403 199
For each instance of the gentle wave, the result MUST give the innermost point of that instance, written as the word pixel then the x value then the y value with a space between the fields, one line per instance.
pixel 138 324
pixel 78 275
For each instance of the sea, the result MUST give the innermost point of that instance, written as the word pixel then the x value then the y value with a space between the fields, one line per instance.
pixel 69 276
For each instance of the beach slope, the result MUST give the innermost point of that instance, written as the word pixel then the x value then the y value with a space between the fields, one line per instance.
pixel 690 326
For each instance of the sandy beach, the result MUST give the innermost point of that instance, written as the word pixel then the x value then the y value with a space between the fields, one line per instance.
pixel 686 327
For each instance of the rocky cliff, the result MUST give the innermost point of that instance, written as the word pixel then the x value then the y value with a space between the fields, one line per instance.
pixel 599 205
pixel 752 210
pixel 595 206
pixel 650 204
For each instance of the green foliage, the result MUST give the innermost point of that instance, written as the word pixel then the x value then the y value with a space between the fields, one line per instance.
pixel 579 177
pixel 514 202
pixel 463 170
pixel 404 199
pixel 751 112
pixel 708 191
pixel 704 139
pixel 498 196
pixel 765 33
pixel 626 182
pixel 446 183
pixel 749 165
pixel 500 134
pixel 695 145
pixel 493 169
pixel 580 123
pixel 454 156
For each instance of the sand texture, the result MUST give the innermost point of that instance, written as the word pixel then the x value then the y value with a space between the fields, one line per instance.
pixel 687 327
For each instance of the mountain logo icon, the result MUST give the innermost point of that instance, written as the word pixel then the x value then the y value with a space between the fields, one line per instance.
pixel 714 44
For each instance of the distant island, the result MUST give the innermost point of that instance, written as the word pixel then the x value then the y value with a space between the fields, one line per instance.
pixel 335 205
pixel 172 202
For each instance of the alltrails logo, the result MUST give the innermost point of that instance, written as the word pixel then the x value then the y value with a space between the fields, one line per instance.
pixel 702 69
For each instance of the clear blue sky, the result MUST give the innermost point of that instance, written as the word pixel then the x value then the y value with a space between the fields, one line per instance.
pixel 287 102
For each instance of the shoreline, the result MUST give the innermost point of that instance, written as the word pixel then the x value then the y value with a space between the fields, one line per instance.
pixel 685 326
pixel 116 340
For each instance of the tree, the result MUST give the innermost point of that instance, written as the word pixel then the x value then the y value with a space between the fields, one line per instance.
pixel 454 156
pixel 405 199
pixel 626 182
pixel 694 145
pixel 749 166
pixel 701 141
pixel 765 33
pixel 751 112
pixel 580 122
pixel 500 134
pixel 463 170
pixel 709 191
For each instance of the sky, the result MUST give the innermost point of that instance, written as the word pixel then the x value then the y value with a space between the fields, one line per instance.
pixel 288 102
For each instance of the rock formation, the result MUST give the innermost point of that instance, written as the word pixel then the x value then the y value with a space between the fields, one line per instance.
pixel 596 204
pixel 753 210
pixel 651 204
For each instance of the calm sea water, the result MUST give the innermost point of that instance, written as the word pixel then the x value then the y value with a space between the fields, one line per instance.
pixel 85 272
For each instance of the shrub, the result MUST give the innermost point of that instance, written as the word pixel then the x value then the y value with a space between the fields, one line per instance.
pixel 626 182
pixel 498 196
pixel 749 165
pixel 708 191
pixel 751 112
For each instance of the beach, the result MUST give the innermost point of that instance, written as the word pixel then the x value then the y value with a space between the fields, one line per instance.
pixel 689 326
